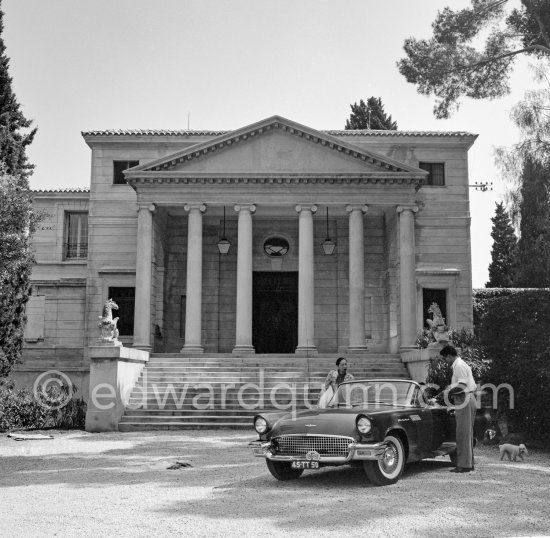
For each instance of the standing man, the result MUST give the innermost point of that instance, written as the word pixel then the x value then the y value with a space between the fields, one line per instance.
pixel 462 389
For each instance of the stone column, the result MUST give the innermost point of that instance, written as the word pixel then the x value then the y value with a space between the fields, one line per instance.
pixel 144 260
pixel 356 279
pixel 243 333
pixel 193 310
pixel 306 305
pixel 407 275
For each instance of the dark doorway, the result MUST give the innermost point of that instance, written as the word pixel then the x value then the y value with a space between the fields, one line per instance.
pixel 275 312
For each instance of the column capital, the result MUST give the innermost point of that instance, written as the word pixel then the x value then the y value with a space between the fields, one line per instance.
pixel 245 207
pixel 306 207
pixel 357 207
pixel 149 206
pixel 190 207
pixel 407 207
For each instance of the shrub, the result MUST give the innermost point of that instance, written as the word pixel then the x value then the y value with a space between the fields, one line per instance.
pixel 20 409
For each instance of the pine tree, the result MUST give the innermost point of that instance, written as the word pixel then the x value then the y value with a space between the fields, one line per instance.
pixel 534 243
pixel 13 138
pixel 473 49
pixel 504 251
pixel 370 115
pixel 16 217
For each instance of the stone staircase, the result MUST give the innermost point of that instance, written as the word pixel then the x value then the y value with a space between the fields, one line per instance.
pixel 176 392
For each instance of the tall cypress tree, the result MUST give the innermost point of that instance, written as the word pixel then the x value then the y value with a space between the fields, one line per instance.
pixel 504 251
pixel 16 217
pixel 534 242
pixel 370 115
pixel 14 137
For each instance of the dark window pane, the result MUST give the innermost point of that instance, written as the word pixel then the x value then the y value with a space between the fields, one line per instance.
pixel 430 296
pixel 118 169
pixel 76 239
pixel 125 300
pixel 437 173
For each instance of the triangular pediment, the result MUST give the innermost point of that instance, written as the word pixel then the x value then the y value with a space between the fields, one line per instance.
pixel 274 146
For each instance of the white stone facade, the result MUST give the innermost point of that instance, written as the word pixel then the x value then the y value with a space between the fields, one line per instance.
pixel 395 236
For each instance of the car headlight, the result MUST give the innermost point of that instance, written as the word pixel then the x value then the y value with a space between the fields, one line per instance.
pixel 364 425
pixel 260 425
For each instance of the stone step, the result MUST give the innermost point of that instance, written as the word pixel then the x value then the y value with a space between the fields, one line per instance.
pixel 216 377
pixel 272 364
pixel 142 426
pixel 152 419
pixel 153 406
pixel 230 407
pixel 170 413
pixel 256 362
pixel 271 370
pixel 252 399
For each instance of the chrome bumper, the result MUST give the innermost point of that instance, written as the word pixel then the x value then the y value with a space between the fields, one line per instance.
pixel 357 452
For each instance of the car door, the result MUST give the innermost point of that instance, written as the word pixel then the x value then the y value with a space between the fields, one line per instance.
pixel 444 426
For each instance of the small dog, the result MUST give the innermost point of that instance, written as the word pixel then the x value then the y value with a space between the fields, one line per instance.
pixel 513 451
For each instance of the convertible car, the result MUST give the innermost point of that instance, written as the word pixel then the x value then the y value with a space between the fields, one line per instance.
pixel 379 424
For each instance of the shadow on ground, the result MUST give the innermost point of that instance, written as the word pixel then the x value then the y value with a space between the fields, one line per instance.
pixel 225 483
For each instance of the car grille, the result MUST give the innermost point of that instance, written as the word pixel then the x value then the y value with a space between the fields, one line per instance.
pixel 297 445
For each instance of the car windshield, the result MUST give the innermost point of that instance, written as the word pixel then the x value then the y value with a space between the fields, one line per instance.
pixel 376 393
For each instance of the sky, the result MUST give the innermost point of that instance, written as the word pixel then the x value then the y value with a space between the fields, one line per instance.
pixel 80 65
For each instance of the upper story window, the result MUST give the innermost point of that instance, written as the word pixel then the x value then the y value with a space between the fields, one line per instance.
pixel 118 169
pixel 437 173
pixel 76 235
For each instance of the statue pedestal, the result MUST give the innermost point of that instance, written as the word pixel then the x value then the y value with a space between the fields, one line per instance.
pixel 114 370
pixel 105 342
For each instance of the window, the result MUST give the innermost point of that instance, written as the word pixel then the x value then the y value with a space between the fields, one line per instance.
pixel 437 173
pixel 276 247
pixel 125 300
pixel 118 169
pixel 430 296
pixel 76 235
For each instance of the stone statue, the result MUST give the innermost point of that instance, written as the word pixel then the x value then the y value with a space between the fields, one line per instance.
pixel 107 324
pixel 438 329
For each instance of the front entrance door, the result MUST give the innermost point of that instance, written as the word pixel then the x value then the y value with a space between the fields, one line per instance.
pixel 275 312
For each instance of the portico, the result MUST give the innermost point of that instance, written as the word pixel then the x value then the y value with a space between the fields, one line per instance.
pixel 269 196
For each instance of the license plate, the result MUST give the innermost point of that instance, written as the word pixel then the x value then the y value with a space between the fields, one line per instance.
pixel 305 464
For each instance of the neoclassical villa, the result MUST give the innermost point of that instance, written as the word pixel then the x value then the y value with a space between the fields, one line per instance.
pixel 272 239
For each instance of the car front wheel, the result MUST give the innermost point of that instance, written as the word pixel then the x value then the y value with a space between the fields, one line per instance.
pixel 282 470
pixel 388 469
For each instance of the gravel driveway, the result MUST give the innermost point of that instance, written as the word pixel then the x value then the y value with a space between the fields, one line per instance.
pixel 118 484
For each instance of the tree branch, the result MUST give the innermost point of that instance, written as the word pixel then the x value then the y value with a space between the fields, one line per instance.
pixel 500 57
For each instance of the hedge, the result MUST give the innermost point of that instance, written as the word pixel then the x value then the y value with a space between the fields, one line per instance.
pixel 513 327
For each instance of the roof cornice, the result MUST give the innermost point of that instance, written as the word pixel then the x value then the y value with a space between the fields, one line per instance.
pixel 358 133
pixel 250 178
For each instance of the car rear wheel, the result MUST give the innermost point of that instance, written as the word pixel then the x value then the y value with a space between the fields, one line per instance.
pixel 282 470
pixel 388 469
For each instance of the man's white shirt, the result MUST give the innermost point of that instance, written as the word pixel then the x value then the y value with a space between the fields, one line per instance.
pixel 462 373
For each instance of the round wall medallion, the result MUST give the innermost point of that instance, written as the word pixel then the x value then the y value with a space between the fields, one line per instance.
pixel 276 247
